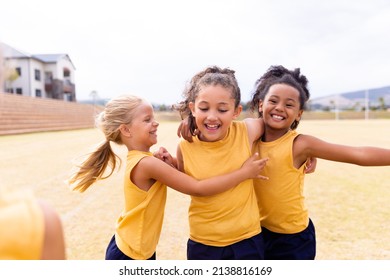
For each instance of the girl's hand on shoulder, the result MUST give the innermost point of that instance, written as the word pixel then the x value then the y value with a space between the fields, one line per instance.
pixel 184 130
pixel 254 166
pixel 255 128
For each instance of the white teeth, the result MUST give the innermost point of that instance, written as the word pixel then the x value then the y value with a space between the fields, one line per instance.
pixel 278 117
pixel 212 125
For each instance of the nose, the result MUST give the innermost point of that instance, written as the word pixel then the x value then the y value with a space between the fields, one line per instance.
pixel 212 116
pixel 279 106
pixel 155 123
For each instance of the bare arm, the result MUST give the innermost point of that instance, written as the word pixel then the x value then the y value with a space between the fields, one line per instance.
pixel 306 146
pixel 151 169
pixel 255 129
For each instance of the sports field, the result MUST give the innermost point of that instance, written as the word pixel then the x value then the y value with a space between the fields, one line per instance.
pixel 349 205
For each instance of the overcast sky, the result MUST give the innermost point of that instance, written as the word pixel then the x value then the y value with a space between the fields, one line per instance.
pixel 152 47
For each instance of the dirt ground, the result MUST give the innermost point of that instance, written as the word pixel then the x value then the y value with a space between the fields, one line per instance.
pixel 348 204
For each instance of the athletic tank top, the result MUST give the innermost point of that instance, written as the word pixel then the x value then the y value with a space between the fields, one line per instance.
pixel 231 216
pixel 281 198
pixel 139 226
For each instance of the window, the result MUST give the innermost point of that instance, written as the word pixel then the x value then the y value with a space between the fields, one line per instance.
pixel 19 91
pixel 37 75
pixel 66 73
pixel 48 77
pixel 19 71
pixel 38 93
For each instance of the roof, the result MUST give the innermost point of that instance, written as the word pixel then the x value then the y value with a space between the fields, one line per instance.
pixel 11 52
pixel 48 58
pixel 52 58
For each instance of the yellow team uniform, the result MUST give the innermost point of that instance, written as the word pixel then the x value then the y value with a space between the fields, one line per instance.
pixel 139 226
pixel 281 199
pixel 22 226
pixel 231 216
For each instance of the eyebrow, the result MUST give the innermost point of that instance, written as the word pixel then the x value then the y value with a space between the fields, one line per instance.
pixel 292 99
pixel 288 99
pixel 219 103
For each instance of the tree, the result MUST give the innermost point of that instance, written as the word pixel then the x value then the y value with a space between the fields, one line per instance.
pixel 382 105
pixel 10 76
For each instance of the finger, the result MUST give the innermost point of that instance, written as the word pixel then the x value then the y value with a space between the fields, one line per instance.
pixel 189 136
pixel 262 161
pixel 261 177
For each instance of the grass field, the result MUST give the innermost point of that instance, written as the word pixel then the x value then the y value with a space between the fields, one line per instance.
pixel 348 204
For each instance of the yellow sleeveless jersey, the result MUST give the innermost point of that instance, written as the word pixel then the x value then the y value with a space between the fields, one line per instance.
pixel 22 226
pixel 231 216
pixel 281 199
pixel 139 226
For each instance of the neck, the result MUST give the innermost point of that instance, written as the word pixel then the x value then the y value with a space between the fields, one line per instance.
pixel 272 134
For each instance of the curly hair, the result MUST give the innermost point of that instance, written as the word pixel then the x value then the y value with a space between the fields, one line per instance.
pixel 278 74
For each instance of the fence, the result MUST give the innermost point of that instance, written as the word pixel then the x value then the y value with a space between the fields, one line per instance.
pixel 22 114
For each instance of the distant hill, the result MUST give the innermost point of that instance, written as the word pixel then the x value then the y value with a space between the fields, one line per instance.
pixel 353 100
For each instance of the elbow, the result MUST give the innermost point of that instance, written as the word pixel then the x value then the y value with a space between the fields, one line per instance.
pixel 198 194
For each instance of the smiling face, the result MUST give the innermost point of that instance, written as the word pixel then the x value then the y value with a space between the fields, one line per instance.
pixel 143 128
pixel 281 107
pixel 214 110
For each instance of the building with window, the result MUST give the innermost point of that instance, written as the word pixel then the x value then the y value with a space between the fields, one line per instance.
pixel 38 75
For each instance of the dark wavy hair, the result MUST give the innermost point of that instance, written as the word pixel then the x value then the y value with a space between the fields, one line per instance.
pixel 278 74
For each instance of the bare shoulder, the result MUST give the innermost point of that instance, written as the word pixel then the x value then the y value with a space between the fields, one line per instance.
pixel 302 141
pixel 310 146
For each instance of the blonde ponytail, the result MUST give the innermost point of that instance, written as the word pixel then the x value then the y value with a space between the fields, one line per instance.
pixel 92 169
pixel 118 111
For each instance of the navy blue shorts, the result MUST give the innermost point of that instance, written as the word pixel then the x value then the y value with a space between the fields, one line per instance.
pixel 247 249
pixel 297 246
pixel 113 252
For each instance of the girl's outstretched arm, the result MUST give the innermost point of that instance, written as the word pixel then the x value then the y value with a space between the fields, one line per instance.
pixel 255 128
pixel 306 146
